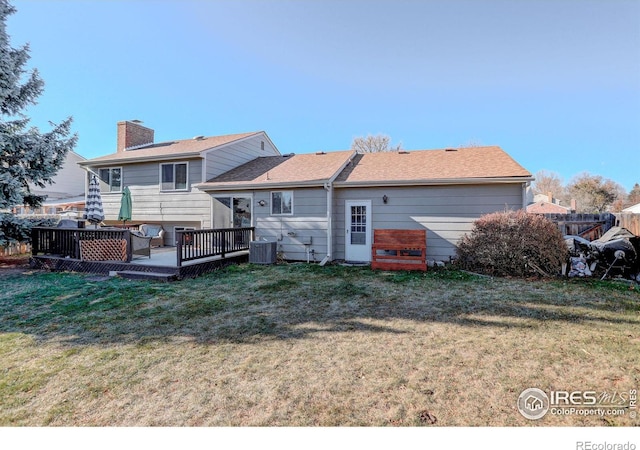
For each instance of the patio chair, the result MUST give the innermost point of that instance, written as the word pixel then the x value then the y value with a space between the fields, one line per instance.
pixel 155 232
pixel 140 244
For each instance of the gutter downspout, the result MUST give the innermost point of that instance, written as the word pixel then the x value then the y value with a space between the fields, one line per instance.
pixel 524 194
pixel 329 188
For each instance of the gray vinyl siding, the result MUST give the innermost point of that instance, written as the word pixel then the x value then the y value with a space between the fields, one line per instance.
pixel 179 208
pixel 231 156
pixel 446 212
pixel 309 220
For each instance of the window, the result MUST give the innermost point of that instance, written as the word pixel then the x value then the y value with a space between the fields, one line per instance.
pixel 112 177
pixel 281 203
pixel 173 177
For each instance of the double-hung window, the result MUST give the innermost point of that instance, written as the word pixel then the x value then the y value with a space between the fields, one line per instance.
pixel 173 177
pixel 282 203
pixel 112 177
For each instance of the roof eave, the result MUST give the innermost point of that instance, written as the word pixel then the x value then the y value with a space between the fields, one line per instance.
pixel 150 158
pixel 207 187
pixel 435 182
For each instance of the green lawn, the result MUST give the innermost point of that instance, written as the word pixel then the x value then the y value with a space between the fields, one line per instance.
pixel 306 345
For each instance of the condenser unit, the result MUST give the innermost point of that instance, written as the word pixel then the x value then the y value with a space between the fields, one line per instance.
pixel 262 252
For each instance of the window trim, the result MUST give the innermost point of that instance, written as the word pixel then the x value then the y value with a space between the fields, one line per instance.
pixel 160 182
pixel 272 203
pixel 108 183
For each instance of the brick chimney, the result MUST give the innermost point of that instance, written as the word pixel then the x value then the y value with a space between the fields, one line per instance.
pixel 132 134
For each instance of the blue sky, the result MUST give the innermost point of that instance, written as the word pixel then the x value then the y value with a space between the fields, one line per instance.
pixel 556 83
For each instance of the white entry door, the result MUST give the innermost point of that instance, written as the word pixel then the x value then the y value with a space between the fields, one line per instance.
pixel 358 230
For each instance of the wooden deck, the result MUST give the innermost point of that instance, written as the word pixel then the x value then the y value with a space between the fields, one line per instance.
pixel 163 261
pixel 196 252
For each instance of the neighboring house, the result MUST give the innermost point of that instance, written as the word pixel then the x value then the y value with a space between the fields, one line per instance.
pixel 161 175
pixel 547 204
pixel 635 209
pixel 66 194
pixel 324 206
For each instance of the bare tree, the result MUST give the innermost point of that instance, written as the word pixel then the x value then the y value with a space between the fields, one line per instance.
pixel 374 144
pixel 548 182
pixel 472 143
pixel 596 194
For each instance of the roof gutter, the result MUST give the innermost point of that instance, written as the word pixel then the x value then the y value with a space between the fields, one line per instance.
pixel 433 182
pixel 259 185
pixel 328 186
pixel 110 162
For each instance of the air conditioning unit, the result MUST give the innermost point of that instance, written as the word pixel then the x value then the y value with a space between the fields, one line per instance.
pixel 262 252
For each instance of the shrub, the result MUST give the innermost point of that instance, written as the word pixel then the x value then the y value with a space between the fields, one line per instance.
pixel 18 229
pixel 513 243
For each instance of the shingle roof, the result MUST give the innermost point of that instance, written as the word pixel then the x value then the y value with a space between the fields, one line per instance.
pixel 425 165
pixel 164 150
pixel 287 169
pixel 543 207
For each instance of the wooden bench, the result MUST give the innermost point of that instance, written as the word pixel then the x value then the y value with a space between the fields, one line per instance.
pixel 399 250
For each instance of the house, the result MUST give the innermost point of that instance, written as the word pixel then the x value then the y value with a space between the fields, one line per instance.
pixel 547 204
pixel 65 195
pixel 161 175
pixel 634 209
pixel 324 206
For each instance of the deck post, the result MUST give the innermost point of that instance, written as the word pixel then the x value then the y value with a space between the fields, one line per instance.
pixel 179 247
pixel 127 237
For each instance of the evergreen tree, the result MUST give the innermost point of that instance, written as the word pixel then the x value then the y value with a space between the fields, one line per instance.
pixel 28 157
pixel 634 195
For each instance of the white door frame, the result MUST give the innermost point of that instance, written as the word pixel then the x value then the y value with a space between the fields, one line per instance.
pixel 358 249
pixel 231 196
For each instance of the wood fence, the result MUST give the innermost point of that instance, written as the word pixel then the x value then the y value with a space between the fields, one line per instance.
pixel 589 226
pixel 630 221
pixel 593 226
pixel 15 248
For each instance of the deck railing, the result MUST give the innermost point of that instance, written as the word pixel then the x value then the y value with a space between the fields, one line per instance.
pixel 198 244
pixel 65 242
pixel 190 244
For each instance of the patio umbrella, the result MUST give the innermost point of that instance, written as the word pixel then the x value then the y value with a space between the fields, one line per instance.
pixel 125 206
pixel 93 210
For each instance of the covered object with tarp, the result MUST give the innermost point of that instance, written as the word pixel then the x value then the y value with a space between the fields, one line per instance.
pixel 616 253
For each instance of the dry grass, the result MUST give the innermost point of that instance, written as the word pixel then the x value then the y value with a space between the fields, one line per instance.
pixel 305 345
